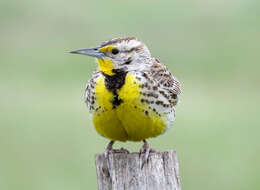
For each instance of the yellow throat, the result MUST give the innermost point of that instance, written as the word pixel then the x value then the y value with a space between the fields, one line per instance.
pixel 106 66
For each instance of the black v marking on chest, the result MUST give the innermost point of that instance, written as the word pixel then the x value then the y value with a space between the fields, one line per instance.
pixel 114 83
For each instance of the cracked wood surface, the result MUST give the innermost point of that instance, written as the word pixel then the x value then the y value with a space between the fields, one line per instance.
pixel 122 171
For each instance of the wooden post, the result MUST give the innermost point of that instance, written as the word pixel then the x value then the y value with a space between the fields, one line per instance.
pixel 125 173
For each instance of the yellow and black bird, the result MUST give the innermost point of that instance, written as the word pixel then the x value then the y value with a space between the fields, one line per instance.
pixel 132 95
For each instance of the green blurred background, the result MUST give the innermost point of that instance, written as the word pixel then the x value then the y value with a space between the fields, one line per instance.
pixel 47 140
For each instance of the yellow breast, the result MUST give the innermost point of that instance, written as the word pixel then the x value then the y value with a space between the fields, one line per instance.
pixel 105 119
pixel 131 120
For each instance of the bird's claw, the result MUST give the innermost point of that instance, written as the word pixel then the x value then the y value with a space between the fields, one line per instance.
pixel 146 150
pixel 121 150
pixel 109 149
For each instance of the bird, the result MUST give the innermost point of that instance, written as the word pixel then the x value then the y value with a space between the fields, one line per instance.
pixel 131 95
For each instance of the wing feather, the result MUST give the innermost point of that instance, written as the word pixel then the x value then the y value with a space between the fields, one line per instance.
pixel 166 80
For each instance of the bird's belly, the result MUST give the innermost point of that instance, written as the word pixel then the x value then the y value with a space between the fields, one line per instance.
pixel 128 122
pixel 108 125
pixel 139 125
pixel 131 120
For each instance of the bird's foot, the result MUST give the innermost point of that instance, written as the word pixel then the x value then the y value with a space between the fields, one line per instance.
pixel 146 150
pixel 121 150
pixel 109 149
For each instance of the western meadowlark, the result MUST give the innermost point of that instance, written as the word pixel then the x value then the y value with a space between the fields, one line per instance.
pixel 132 95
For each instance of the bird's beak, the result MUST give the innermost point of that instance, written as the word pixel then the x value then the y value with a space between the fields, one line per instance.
pixel 94 52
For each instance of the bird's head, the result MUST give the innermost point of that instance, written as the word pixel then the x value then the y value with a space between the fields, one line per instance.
pixel 119 54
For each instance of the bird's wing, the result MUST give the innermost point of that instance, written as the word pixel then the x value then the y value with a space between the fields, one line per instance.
pixel 165 80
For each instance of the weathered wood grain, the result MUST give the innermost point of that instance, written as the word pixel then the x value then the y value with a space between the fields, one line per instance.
pixel 122 171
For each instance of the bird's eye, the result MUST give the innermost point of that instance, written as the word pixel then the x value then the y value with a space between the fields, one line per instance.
pixel 115 51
